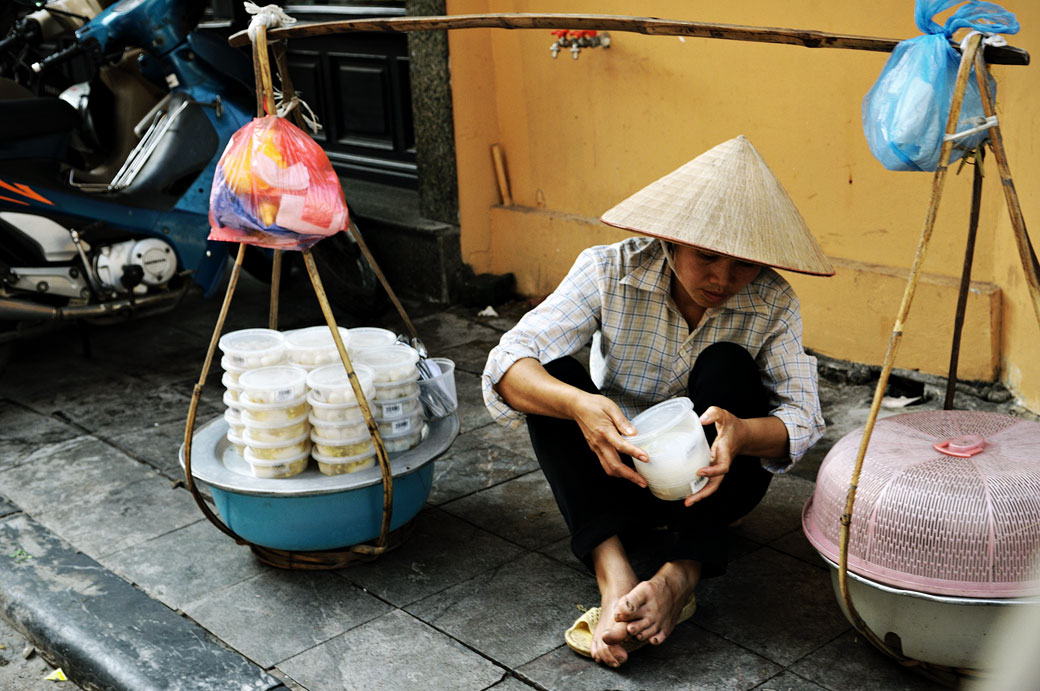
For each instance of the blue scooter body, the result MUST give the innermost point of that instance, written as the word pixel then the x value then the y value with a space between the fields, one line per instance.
pixel 185 62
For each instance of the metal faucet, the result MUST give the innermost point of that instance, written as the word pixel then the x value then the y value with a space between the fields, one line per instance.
pixel 575 40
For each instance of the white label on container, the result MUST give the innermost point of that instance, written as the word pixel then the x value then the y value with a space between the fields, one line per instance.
pixel 283 395
pixel 393 409
pixel 697 484
pixel 402 425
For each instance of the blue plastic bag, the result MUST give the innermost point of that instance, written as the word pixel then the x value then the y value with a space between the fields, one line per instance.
pixel 905 112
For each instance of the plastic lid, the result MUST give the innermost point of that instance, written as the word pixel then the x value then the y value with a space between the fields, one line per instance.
pixel 274 378
pixel 251 341
pixel 315 437
pixel 230 402
pixel 401 435
pixel 315 403
pixel 334 376
pixel 250 441
pixel 659 418
pixel 249 405
pixel 964 524
pixel 315 337
pixel 228 366
pixel 339 460
pixel 370 337
pixel 351 422
pixel 276 461
pixel 388 357
pixel 225 379
pixel 276 424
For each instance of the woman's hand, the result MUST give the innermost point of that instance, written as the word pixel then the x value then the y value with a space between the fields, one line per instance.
pixel 760 436
pixel 731 438
pixel 603 424
pixel 528 387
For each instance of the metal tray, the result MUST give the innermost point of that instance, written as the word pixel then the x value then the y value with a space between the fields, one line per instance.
pixel 215 462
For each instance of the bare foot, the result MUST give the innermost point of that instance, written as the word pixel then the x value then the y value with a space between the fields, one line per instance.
pixel 651 610
pixel 610 634
pixel 615 578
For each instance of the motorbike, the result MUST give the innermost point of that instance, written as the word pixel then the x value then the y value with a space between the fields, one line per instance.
pixel 104 188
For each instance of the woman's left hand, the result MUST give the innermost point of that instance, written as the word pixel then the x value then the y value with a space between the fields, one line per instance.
pixel 731 437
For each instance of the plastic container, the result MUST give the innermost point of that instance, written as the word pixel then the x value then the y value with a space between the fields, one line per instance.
pixel 394 391
pixel 314 346
pixel 330 384
pixel 231 385
pixel 333 412
pixel 437 393
pixel 236 441
pixel 673 437
pixel 276 384
pixel 396 407
pixel 278 432
pixel 339 465
pixel 273 413
pixel 390 364
pixel 235 424
pixel 404 441
pixel 369 337
pixel 339 448
pixel 276 450
pixel 339 430
pixel 400 425
pixel 233 372
pixel 277 468
pixel 252 348
pixel 233 404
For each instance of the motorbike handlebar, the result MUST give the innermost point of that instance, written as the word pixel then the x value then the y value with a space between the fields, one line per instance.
pixel 25 30
pixel 61 56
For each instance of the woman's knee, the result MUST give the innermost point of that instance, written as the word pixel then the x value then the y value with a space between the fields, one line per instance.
pixel 568 370
pixel 726 375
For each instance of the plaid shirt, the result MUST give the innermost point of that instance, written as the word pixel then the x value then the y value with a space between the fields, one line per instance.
pixel 618 297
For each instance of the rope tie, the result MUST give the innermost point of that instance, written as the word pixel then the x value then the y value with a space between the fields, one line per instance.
pixel 269 16
pixel 284 107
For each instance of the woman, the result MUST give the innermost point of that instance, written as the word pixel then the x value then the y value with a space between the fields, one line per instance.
pixel 695 312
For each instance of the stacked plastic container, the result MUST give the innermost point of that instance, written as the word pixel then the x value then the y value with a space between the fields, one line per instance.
pixel 289 398
pixel 395 404
pixel 314 346
pixel 276 432
pixel 242 351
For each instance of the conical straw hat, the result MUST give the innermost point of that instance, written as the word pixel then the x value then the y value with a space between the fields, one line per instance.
pixel 727 201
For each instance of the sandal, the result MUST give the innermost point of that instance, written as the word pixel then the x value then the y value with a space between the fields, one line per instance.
pixel 579 635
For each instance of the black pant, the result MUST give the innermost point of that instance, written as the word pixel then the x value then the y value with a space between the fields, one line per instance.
pixel 597 506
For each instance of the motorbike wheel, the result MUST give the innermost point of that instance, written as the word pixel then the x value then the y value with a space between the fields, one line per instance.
pixel 350 283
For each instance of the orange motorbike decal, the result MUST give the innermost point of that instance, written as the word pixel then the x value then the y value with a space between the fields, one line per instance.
pixel 25 191
pixel 16 201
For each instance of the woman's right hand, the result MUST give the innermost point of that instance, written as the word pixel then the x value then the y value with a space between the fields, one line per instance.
pixel 526 386
pixel 603 424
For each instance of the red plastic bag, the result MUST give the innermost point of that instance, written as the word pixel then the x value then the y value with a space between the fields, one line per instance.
pixel 274 187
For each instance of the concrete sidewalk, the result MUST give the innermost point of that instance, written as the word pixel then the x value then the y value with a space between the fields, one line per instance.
pixel 111 569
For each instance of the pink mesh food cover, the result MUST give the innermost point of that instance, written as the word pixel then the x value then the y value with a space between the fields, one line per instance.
pixel 948 503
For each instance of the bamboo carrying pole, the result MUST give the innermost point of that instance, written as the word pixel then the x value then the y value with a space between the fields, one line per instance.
pixel 652 26
pixel 275 557
pixel 962 293
pixel 963 72
pixel 1018 222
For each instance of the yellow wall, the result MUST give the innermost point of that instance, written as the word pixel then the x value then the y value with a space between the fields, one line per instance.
pixel 580 135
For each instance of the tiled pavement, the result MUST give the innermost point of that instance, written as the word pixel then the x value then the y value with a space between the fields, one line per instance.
pixel 477 598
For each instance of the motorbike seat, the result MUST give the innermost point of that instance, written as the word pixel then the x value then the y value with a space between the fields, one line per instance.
pixel 35 117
